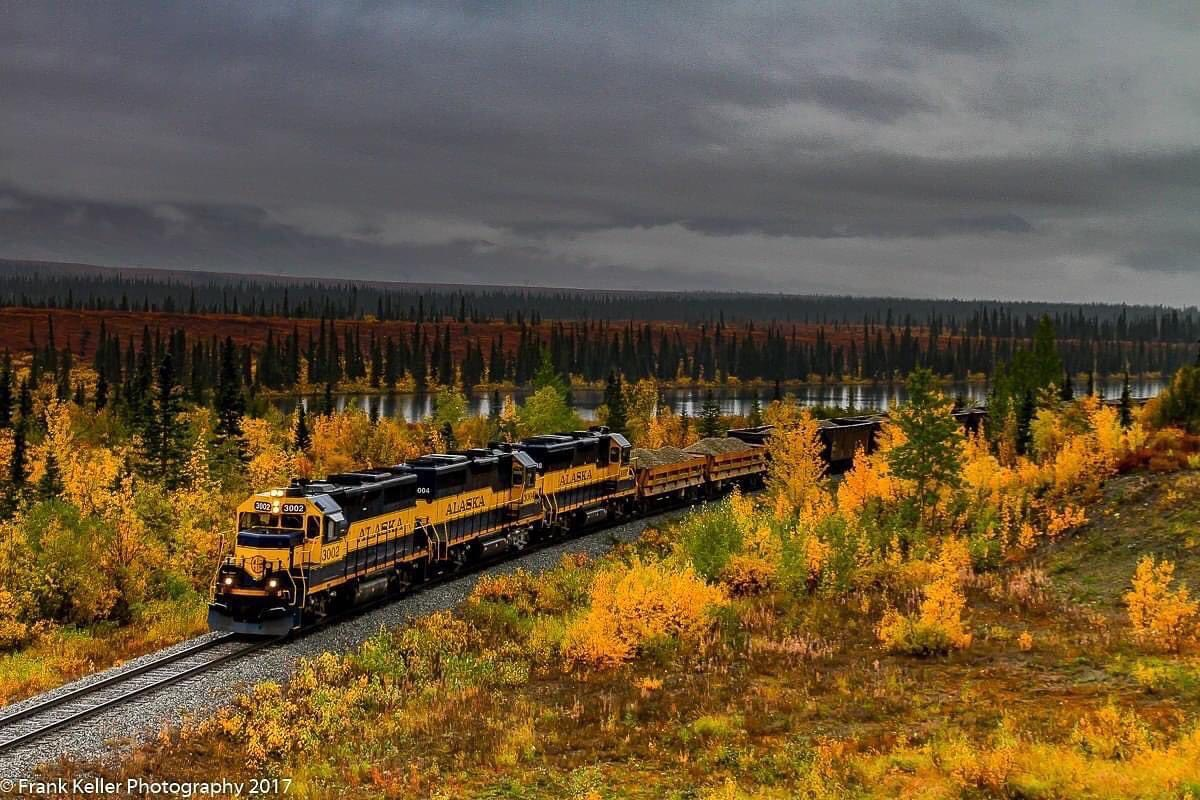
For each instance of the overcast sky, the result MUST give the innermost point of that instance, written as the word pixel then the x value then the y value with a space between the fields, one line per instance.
pixel 1026 150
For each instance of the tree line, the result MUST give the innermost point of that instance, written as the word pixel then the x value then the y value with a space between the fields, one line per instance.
pixel 340 354
pixel 49 285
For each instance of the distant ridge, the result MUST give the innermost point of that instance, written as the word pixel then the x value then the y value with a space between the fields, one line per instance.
pixel 189 276
pixel 198 277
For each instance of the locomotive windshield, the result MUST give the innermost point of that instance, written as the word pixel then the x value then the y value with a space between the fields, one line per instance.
pixel 265 523
pixel 266 540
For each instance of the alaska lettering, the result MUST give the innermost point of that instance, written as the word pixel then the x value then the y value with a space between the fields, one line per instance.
pixel 460 505
pixel 577 476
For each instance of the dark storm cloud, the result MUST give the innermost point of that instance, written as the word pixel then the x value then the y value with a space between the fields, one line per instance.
pixel 934 148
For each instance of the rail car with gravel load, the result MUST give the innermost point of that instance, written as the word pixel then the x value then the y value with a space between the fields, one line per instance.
pixel 667 475
pixel 729 462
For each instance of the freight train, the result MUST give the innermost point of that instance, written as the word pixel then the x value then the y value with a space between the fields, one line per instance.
pixel 315 548
pixel 312 549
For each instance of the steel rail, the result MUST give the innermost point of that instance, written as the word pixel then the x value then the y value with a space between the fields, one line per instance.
pixel 58 701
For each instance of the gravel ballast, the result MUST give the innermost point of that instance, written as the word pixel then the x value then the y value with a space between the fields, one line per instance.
pixel 145 717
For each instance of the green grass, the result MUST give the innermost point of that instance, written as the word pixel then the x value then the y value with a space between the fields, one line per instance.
pixel 1137 516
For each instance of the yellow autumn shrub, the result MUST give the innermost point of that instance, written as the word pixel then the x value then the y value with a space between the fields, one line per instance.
pixel 796 468
pixel 1162 617
pixel 348 439
pixel 938 625
pixel 979 768
pixel 269 463
pixel 1111 733
pixel 869 477
pixel 633 604
pixel 748 575
pixel 13 630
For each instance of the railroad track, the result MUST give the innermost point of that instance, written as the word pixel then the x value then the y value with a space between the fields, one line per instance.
pixel 22 727
pixel 27 725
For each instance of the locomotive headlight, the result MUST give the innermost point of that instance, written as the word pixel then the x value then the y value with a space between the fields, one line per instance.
pixel 272 584
pixel 228 580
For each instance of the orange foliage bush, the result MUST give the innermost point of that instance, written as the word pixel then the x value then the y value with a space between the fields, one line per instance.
pixel 938 626
pixel 1111 733
pixel 1165 450
pixel 796 466
pixel 748 575
pixel 1061 520
pixel 1162 617
pixel 633 604
pixel 868 479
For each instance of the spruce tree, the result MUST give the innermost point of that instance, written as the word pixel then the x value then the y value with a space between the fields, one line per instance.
pixel 16 464
pixel 1066 392
pixel 327 400
pixel 101 392
pixel 1025 414
pixel 50 485
pixel 62 387
pixel 614 399
pixel 165 434
pixel 303 438
pixel 390 372
pixel 420 367
pixel 25 400
pixel 547 375
pixel 376 362
pixel 1126 407
pixel 1046 364
pixel 930 456
pixel 6 393
pixel 756 417
pixel 229 401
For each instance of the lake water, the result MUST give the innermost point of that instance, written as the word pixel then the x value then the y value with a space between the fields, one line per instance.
pixel 869 397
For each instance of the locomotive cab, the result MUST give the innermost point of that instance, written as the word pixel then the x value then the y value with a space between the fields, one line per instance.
pixel 256 588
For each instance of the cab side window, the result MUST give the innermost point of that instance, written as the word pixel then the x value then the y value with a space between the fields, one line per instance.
pixel 518 475
pixel 314 527
pixel 331 531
